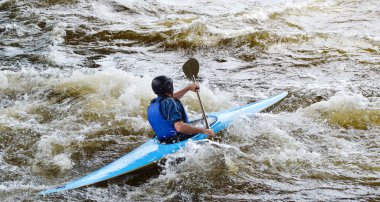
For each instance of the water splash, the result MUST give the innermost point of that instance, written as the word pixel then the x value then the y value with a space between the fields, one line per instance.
pixel 346 110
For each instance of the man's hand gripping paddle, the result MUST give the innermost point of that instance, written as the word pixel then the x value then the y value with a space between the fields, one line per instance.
pixel 191 69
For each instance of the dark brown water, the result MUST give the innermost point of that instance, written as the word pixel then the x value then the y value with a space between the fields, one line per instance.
pixel 75 84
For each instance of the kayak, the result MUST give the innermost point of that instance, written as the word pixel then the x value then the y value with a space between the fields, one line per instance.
pixel 152 151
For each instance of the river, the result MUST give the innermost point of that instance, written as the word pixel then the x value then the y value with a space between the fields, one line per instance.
pixel 75 85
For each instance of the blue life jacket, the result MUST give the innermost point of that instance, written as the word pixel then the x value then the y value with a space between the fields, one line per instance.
pixel 163 128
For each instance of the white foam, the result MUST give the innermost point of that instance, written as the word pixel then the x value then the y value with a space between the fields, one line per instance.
pixel 45 145
pixel 126 91
pixel 211 101
pixel 11 51
pixel 200 157
pixel 342 101
pixel 11 186
pixel 13 28
pixel 113 91
pixel 274 144
pixel 58 54
pixel 3 81
pixel 287 148
pixel 63 161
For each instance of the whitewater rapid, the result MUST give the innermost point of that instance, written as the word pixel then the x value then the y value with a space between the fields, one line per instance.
pixel 75 85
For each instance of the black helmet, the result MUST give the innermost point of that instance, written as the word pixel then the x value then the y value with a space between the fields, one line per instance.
pixel 162 85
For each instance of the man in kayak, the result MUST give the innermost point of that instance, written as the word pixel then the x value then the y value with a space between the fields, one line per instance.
pixel 166 114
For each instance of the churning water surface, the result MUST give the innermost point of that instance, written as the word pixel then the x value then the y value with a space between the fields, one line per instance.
pixel 75 84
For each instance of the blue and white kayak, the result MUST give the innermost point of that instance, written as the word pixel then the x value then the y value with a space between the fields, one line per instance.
pixel 153 151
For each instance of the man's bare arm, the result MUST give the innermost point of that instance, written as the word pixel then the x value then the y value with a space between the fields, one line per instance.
pixel 193 87
pixel 185 128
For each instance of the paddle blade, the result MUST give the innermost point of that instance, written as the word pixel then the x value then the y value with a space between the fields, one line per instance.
pixel 191 68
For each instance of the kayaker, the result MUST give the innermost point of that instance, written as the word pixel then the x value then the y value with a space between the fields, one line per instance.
pixel 166 114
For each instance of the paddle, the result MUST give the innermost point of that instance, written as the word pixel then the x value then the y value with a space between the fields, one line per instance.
pixel 191 69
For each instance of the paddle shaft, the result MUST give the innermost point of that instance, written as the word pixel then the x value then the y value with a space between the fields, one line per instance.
pixel 203 110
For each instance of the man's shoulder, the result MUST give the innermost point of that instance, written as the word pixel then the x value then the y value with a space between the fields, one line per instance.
pixel 169 101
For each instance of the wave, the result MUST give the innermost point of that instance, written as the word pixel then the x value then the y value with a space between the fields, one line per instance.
pixel 347 111
pixel 63 119
pixel 195 37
